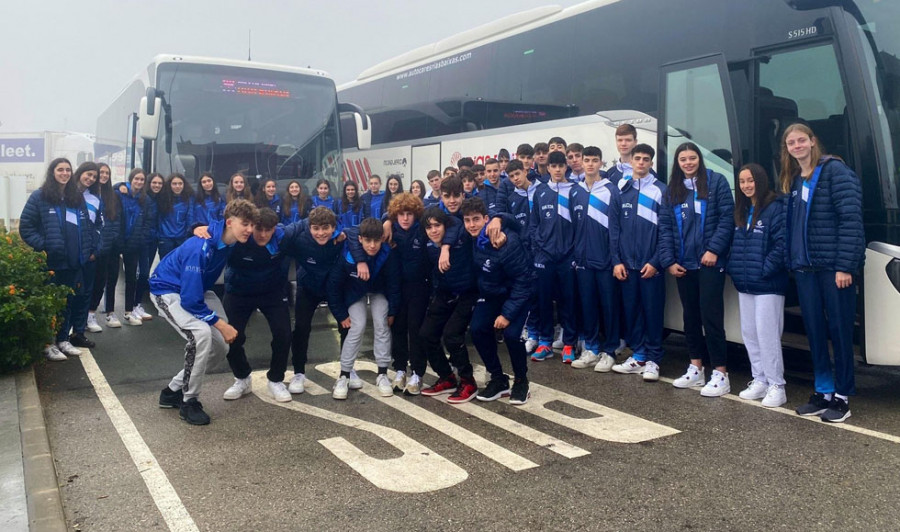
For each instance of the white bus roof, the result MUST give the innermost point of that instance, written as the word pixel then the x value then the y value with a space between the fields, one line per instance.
pixel 173 58
pixel 486 33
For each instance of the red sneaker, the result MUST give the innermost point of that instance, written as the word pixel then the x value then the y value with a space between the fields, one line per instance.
pixel 568 354
pixel 466 392
pixel 442 386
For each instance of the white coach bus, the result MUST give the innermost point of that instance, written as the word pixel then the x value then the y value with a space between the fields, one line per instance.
pixel 729 75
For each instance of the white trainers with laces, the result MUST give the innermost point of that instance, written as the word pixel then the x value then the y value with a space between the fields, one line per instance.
pixel 298 383
pixel 385 389
pixel 413 385
pixel 355 382
pixel 587 359
pixel 530 345
pixel 755 390
pixel 141 313
pixel 717 386
pixel 240 388
pixel 775 396
pixel 341 388
pixel 51 352
pixel 692 378
pixel 92 324
pixel 280 392
pixel 629 367
pixel 112 321
pixel 399 382
pixel 651 371
pixel 68 349
pixel 132 319
pixel 558 338
pixel 605 363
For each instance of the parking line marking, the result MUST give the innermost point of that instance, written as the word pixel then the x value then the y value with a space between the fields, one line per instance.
pixel 815 419
pixel 161 490
pixel 464 436
pixel 419 470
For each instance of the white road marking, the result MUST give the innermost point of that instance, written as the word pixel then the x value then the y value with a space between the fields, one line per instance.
pixel 164 495
pixel 609 425
pixel 468 438
pixel 419 470
pixel 815 419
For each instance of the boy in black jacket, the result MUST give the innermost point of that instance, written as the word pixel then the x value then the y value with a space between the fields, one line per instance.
pixel 505 278
pixel 347 295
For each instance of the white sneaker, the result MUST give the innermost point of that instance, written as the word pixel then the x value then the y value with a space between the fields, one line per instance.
pixel 775 396
pixel 132 319
pixel 298 383
pixel 141 313
pixel 717 386
pixel 280 392
pixel 605 363
pixel 399 382
pixel 385 388
pixel 623 348
pixel 558 335
pixel 629 367
pixel 355 382
pixel 240 388
pixel 51 352
pixel 341 388
pixel 68 349
pixel 92 324
pixel 112 321
pixel 755 390
pixel 651 371
pixel 692 378
pixel 413 385
pixel 587 359
pixel 530 345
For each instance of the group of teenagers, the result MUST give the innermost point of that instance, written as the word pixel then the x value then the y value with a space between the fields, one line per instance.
pixel 507 251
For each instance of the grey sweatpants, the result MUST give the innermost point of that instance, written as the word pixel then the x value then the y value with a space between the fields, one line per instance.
pixel 382 347
pixel 205 344
pixel 762 322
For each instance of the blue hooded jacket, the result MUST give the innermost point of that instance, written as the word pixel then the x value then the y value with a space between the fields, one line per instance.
pixel 209 210
pixel 314 262
pixel 504 273
pixel 550 223
pixel 192 269
pixel 593 211
pixel 756 264
pixel 177 223
pixel 253 269
pixel 319 202
pixel 136 222
pixel 345 288
pixel 373 204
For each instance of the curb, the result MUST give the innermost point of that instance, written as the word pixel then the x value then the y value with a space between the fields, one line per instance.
pixel 45 511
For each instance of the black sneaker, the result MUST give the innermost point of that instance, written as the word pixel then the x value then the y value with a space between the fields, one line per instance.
pixel 838 411
pixel 170 399
pixel 79 340
pixel 192 412
pixel 815 407
pixel 495 389
pixel 520 392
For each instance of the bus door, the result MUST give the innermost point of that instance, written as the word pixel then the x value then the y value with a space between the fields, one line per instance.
pixel 424 159
pixel 696 105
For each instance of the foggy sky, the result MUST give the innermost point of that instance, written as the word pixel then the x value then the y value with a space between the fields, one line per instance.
pixel 64 61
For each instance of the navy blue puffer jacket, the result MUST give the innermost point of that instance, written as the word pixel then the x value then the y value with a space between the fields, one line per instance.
pixel 756 264
pixel 42 227
pixel 835 239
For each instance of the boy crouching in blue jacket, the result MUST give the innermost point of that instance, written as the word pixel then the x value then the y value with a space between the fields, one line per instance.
pixel 347 300
pixel 180 288
pixel 505 280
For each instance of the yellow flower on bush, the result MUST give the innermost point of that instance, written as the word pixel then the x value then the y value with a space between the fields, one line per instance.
pixel 12 289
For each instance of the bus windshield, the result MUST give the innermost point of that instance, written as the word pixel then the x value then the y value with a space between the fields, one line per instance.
pixel 880 24
pixel 262 123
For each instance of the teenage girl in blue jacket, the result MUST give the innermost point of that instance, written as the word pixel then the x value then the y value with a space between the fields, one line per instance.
pixel 323 196
pixel 756 266
pixel 176 214
pixel 696 225
pixel 85 177
pixel 296 204
pixel 210 206
pixel 55 221
pixel 826 249
pixel 350 209
pixel 136 223
pixel 268 196
pixel 110 250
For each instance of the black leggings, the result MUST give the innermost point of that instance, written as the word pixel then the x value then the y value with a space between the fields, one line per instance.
pixel 105 280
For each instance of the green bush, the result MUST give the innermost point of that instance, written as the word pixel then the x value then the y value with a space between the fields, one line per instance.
pixel 30 305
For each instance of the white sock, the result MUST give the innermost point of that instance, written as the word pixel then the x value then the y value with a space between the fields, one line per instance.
pixel 828 396
pixel 843 398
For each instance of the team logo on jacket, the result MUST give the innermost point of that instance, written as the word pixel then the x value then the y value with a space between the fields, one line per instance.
pixel 310 260
pixel 487 266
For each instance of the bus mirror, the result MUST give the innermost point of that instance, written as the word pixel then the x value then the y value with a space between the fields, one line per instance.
pixel 148 115
pixel 363 131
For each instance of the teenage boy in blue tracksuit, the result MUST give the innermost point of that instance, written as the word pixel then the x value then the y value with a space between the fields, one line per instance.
pixel 505 280
pixel 525 155
pixel 491 187
pixel 552 242
pixel 373 198
pixel 634 235
pixel 180 286
pixel 347 300
pixel 595 204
